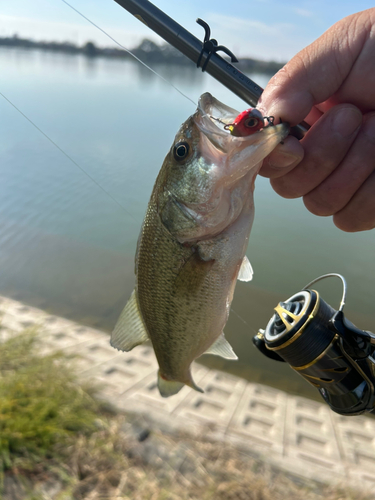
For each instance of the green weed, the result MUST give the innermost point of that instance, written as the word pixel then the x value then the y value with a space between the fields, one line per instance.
pixel 41 404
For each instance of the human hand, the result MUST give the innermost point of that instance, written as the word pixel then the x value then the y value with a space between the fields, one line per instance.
pixel 331 85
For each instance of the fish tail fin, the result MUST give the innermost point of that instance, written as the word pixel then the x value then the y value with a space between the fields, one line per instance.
pixel 192 384
pixel 170 387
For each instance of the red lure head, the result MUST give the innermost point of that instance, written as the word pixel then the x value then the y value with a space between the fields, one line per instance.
pixel 246 123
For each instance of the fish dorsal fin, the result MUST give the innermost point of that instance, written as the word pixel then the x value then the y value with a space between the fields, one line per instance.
pixel 130 330
pixel 246 271
pixel 221 347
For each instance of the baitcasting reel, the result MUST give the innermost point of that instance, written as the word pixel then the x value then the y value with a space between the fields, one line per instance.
pixel 320 344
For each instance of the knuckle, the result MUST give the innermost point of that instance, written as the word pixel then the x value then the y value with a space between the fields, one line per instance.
pixel 282 77
pixel 284 188
pixel 368 128
pixel 321 162
pixel 352 224
pixel 344 225
pixel 318 206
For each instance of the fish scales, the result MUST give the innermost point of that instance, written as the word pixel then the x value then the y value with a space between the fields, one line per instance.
pixel 192 245
pixel 179 320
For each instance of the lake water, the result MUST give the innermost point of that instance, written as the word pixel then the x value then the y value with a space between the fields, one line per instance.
pixel 67 247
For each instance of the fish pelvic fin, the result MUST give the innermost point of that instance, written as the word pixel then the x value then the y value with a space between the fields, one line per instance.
pixel 221 347
pixel 246 271
pixel 171 387
pixel 129 330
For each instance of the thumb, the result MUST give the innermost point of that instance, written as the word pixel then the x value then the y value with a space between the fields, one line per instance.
pixel 315 74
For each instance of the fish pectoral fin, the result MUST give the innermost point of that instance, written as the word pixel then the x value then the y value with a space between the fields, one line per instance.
pixel 129 330
pixel 194 271
pixel 246 271
pixel 207 250
pixel 221 347
pixel 171 387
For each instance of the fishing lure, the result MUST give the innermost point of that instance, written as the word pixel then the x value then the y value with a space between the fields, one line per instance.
pixel 248 122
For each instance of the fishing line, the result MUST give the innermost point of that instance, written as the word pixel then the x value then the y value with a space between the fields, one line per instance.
pixel 146 66
pixel 84 171
pixel 129 52
pixel 67 156
pixel 243 320
pixel 58 147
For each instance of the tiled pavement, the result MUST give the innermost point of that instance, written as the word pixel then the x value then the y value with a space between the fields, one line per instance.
pixel 299 435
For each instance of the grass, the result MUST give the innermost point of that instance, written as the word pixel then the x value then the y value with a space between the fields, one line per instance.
pixel 41 405
pixel 58 442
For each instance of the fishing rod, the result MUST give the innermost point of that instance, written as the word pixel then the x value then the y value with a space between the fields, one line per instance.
pixel 203 54
pixel 316 340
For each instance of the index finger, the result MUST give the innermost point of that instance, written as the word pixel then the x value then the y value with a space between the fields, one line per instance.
pixel 317 72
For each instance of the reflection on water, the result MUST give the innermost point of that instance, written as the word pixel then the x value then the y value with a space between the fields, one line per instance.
pixel 67 247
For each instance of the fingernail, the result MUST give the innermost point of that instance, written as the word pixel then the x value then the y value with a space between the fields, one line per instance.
pixel 347 121
pixel 282 160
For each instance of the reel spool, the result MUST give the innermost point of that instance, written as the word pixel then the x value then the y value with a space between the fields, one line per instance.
pixel 322 346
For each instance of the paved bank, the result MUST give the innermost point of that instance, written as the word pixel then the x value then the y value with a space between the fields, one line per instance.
pixel 296 434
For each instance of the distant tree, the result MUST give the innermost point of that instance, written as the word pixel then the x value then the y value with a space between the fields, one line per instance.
pixel 89 49
pixel 148 46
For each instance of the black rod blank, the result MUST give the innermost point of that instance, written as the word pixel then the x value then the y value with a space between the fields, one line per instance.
pixel 191 47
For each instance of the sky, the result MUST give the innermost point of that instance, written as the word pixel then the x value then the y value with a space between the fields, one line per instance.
pixel 263 29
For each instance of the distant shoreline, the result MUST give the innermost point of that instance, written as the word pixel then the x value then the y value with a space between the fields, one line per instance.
pixel 147 51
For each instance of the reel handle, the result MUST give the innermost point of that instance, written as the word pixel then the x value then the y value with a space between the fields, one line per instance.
pixel 358 343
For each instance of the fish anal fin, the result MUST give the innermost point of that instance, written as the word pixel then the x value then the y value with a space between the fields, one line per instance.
pixel 221 347
pixel 129 330
pixel 246 271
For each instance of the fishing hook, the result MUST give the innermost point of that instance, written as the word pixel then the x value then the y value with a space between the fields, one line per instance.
pixel 270 119
pixel 218 120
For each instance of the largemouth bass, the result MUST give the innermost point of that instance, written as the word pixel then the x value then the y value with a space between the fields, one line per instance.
pixel 191 249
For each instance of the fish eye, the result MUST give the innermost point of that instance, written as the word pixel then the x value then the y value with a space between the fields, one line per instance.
pixel 181 150
pixel 251 122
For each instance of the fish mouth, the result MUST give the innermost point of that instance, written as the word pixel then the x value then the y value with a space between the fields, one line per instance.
pixel 212 116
